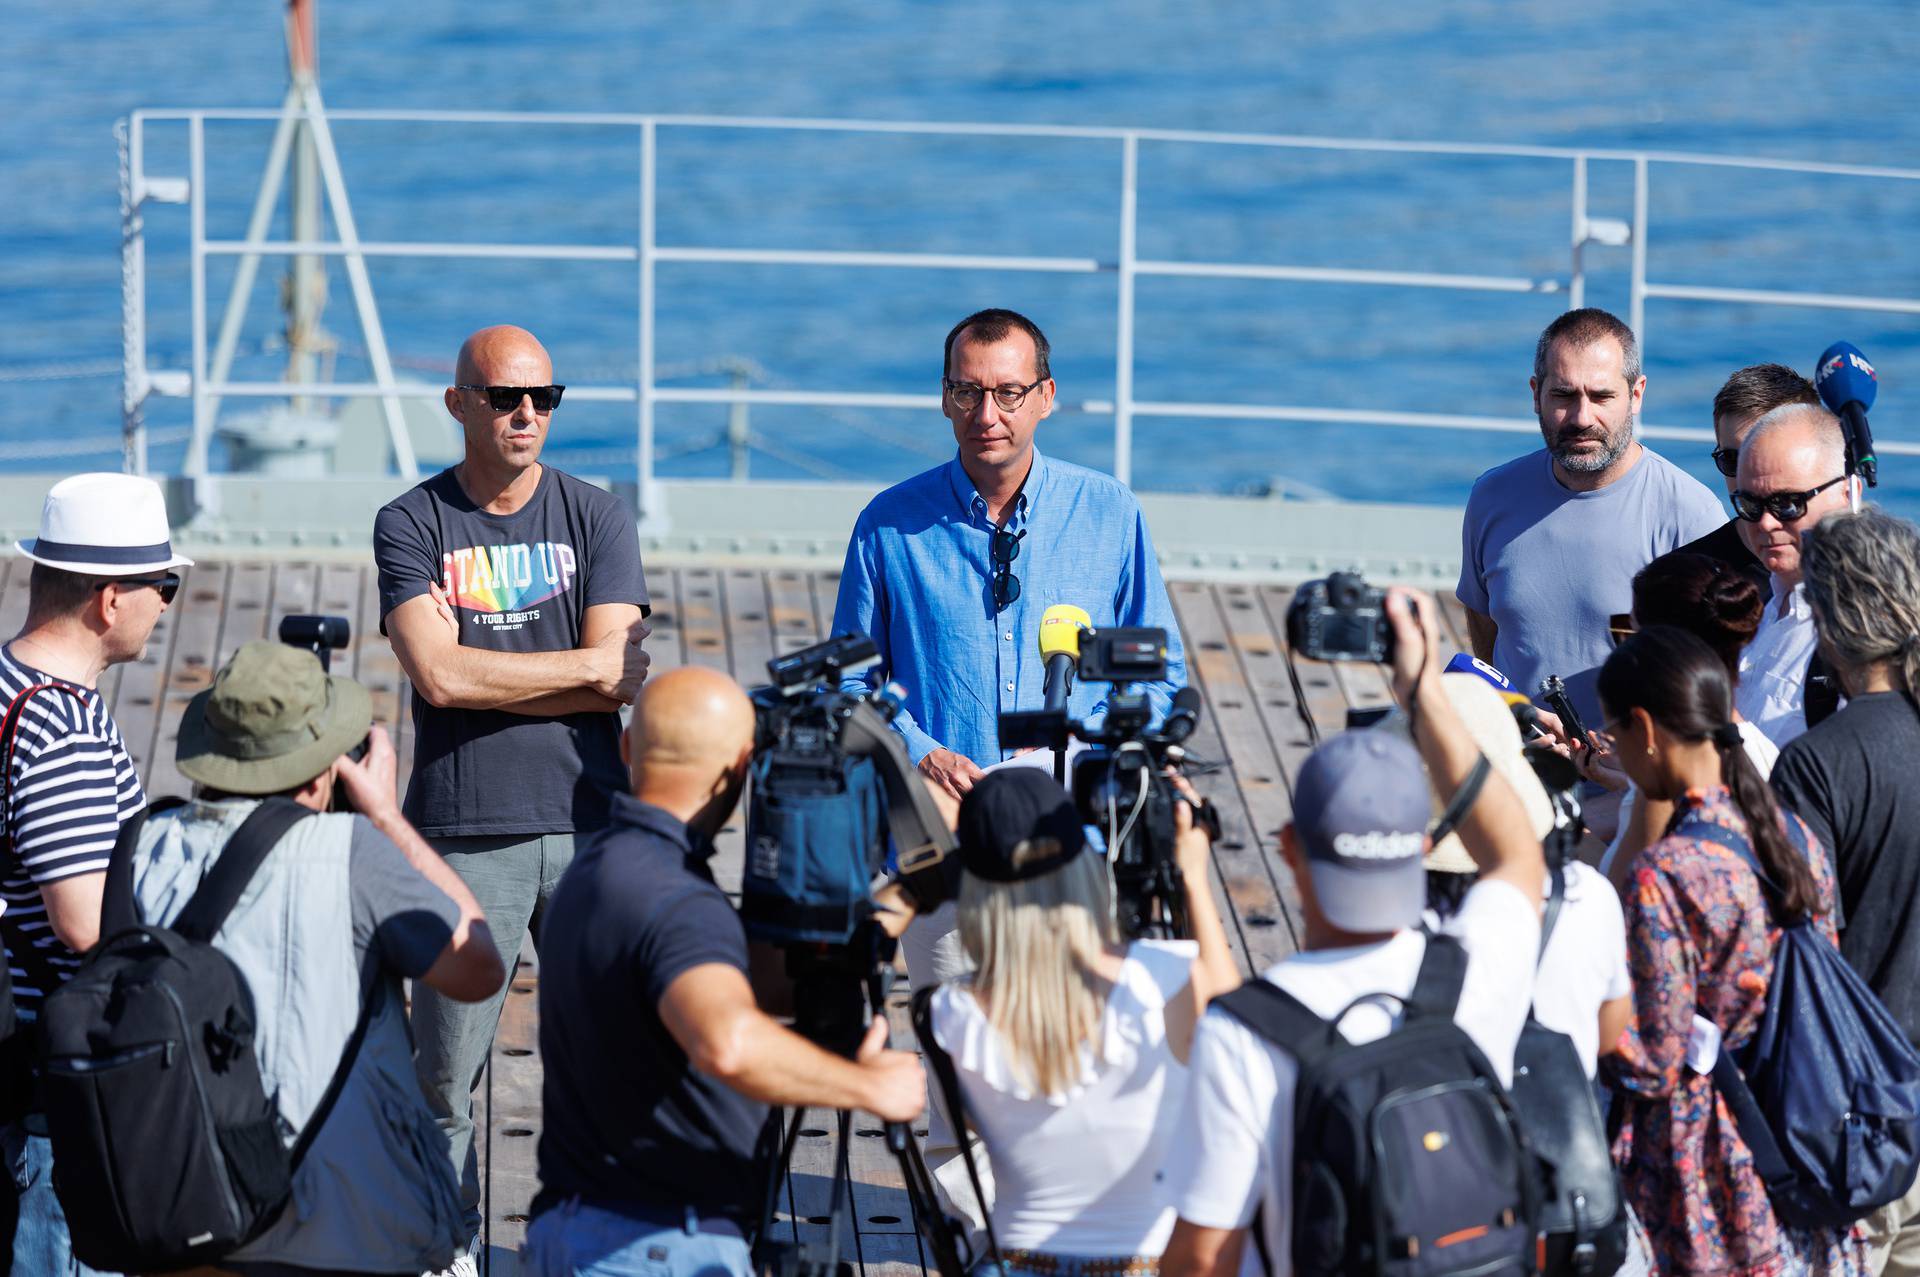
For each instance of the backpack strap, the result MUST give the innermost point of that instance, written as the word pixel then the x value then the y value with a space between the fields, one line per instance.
pixel 220 890
pixel 949 1083
pixel 1443 973
pixel 1721 836
pixel 1281 1019
pixel 1556 896
pixel 1768 1161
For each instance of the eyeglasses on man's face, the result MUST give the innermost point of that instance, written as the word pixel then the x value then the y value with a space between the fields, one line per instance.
pixel 168 584
pixel 1006 548
pixel 507 398
pixel 1784 506
pixel 1727 460
pixel 966 396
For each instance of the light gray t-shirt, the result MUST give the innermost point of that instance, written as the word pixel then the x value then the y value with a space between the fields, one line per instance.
pixel 1550 565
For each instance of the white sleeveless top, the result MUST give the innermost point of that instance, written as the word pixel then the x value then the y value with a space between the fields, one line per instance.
pixel 1080 1173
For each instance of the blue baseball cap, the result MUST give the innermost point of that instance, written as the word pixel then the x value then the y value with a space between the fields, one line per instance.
pixel 1360 810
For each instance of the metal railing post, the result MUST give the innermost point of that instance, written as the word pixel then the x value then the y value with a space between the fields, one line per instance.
pixel 258 224
pixel 643 444
pixel 197 269
pixel 1577 282
pixel 1637 306
pixel 133 308
pixel 1123 338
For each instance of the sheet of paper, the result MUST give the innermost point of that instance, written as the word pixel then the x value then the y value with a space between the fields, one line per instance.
pixel 1041 758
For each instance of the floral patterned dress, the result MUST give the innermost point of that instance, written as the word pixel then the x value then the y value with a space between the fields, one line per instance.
pixel 1699 939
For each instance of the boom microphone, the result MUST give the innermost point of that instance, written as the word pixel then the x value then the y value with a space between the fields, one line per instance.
pixel 1060 627
pixel 1847 384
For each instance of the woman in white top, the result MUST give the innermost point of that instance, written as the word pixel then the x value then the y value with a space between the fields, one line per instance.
pixel 1070 1045
pixel 1719 604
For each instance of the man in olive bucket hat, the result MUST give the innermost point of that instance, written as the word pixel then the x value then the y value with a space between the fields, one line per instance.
pixel 343 908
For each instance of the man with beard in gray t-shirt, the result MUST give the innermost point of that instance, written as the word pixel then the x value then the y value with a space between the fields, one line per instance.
pixel 1551 541
pixel 513 595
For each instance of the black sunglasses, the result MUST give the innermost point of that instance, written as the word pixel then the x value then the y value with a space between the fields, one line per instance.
pixel 168 585
pixel 1006 586
pixel 1726 461
pixel 507 398
pixel 1786 506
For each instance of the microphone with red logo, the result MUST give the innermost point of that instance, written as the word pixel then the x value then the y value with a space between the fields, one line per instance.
pixel 1847 384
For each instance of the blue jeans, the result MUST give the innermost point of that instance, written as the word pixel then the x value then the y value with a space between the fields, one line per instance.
pixel 513 878
pixel 576 1240
pixel 40 1242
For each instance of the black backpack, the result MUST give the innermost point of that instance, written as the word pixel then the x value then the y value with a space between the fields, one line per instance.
pixel 1826 1094
pixel 1407 1158
pixel 167 1148
pixel 1583 1218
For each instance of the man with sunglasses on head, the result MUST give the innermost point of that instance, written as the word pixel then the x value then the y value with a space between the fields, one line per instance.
pixel 1748 395
pixel 1792 473
pixel 951 571
pixel 103 572
pixel 513 595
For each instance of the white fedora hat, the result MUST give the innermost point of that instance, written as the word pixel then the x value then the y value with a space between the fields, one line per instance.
pixel 104 524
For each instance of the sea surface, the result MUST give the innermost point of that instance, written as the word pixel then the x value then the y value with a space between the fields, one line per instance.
pixel 1834 83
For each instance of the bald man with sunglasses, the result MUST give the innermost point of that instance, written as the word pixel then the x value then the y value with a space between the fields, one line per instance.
pixel 1792 472
pixel 513 595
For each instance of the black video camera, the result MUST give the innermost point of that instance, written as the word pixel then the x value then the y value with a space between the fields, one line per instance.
pixel 1121 787
pixel 831 784
pixel 1340 618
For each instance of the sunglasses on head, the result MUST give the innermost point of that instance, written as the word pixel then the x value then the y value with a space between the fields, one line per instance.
pixel 1785 506
pixel 1006 586
pixel 507 398
pixel 168 584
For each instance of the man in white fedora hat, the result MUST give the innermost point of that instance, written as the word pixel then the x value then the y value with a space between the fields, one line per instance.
pixel 103 571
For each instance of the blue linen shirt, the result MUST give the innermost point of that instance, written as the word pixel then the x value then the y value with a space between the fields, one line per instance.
pixel 918 578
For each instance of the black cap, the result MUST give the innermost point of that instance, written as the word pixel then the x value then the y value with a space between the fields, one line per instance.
pixel 1006 811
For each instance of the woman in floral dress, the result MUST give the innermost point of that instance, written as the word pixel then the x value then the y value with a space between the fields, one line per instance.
pixel 1700 941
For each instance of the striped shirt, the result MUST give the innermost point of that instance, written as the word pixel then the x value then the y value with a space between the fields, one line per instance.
pixel 70 785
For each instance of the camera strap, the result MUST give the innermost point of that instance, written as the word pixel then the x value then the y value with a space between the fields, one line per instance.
pixel 1462 800
pixel 949 1082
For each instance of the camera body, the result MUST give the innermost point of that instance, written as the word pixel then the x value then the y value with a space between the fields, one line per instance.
pixel 1340 618
pixel 831 786
pixel 1120 786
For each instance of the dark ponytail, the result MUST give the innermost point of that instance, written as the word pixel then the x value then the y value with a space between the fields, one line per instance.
pixel 1683 686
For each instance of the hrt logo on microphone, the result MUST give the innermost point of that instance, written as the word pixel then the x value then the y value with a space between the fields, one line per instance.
pixel 1840 360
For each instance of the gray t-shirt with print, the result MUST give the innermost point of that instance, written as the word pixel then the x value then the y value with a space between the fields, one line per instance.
pixel 519 582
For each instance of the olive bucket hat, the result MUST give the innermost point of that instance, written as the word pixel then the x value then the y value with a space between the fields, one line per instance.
pixel 272 720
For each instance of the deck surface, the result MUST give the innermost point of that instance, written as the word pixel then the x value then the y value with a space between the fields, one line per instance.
pixel 1264 708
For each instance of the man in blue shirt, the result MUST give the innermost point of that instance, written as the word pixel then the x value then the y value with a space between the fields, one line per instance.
pixel 951 570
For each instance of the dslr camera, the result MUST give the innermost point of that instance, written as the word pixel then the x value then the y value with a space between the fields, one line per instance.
pixel 1120 786
pixel 1340 618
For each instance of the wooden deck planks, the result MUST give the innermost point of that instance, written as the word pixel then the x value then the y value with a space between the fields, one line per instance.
pixel 1262 708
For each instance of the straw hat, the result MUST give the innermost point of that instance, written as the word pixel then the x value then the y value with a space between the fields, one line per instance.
pixel 1490 722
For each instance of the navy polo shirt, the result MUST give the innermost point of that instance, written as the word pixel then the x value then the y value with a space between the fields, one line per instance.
pixel 631 1126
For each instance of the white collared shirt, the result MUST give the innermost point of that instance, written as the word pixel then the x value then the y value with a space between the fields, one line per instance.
pixel 1773 668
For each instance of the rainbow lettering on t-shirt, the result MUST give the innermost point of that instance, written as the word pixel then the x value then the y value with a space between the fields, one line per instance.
pixel 507 578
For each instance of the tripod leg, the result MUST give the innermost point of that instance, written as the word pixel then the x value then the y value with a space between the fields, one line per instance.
pixel 937 1230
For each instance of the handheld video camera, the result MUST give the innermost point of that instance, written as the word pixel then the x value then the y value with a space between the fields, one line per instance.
pixel 1340 618
pixel 1120 787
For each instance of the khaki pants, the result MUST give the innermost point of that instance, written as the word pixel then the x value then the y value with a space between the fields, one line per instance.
pixel 1893 1233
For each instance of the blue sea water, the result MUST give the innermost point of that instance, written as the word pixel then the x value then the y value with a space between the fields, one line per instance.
pixel 1834 83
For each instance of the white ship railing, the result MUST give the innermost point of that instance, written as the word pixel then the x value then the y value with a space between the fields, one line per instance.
pixel 206 381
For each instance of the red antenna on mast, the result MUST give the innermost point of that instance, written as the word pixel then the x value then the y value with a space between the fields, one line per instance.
pixel 302 47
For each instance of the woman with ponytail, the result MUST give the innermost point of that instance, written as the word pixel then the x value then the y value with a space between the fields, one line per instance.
pixel 1853 779
pixel 1701 934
